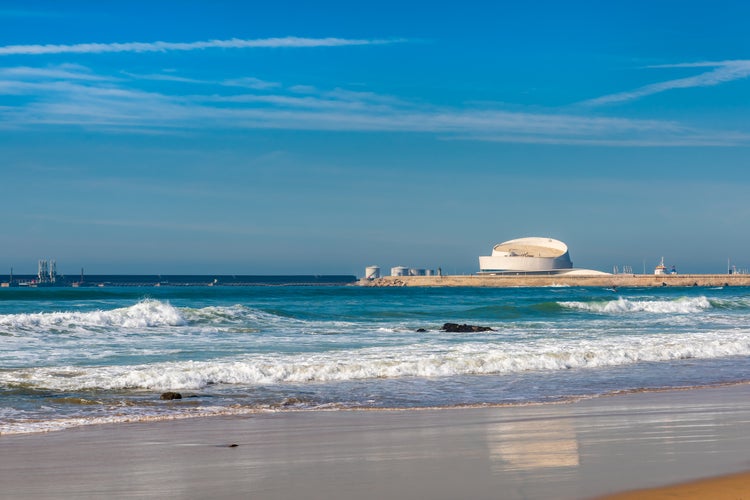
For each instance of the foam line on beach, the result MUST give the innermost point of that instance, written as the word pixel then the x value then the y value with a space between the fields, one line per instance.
pixel 11 426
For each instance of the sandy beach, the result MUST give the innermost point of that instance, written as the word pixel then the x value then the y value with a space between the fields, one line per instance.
pixel 585 449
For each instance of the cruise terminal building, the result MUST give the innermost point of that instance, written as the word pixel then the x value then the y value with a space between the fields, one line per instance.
pixel 528 256
pixel 542 261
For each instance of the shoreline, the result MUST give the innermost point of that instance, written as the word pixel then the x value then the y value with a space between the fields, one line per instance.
pixel 73 423
pixel 583 449
pixel 562 280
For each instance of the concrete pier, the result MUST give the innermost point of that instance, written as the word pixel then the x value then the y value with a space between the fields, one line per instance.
pixel 606 281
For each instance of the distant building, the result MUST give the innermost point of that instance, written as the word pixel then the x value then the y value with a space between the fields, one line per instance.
pixel 399 271
pixel 372 272
pixel 662 269
pixel 411 271
pixel 47 272
pixel 532 255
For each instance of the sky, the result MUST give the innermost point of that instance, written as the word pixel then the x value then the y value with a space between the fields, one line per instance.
pixel 223 137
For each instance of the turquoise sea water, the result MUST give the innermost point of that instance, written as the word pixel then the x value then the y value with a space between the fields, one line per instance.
pixel 71 357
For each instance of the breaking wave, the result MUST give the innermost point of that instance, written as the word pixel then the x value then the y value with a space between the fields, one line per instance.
pixel 622 305
pixel 405 361
pixel 144 314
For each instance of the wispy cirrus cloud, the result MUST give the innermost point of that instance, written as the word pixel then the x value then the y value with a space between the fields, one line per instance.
pixel 722 72
pixel 164 77
pixel 233 43
pixel 251 83
pixel 49 97
pixel 58 72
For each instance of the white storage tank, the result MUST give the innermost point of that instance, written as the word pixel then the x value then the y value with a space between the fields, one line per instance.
pixel 372 272
pixel 416 272
pixel 399 271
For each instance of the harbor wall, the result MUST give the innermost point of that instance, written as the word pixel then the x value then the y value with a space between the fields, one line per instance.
pixel 606 281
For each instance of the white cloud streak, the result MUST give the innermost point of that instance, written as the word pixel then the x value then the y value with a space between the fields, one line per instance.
pixel 234 43
pixel 50 97
pixel 251 83
pixel 60 72
pixel 724 71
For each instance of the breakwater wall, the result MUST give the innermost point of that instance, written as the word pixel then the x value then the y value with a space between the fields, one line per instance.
pixel 137 280
pixel 606 281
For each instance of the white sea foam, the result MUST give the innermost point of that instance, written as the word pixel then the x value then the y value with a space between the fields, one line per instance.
pixel 272 344
pixel 144 314
pixel 622 305
pixel 24 426
pixel 149 313
pixel 435 360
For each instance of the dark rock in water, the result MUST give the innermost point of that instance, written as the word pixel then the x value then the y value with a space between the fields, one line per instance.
pixel 233 445
pixel 421 330
pixel 291 401
pixel 169 396
pixel 455 327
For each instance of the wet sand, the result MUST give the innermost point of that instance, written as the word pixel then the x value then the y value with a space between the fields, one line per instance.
pixel 576 450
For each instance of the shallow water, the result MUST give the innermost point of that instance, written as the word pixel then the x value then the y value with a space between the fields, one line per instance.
pixel 70 357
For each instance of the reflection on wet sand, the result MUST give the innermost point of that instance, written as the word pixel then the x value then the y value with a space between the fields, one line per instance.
pixel 532 444
pixel 562 451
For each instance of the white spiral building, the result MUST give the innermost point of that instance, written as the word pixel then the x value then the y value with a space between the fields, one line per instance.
pixel 527 256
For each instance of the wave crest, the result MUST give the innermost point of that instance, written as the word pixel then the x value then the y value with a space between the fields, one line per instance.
pixel 622 305
pixel 407 361
pixel 146 313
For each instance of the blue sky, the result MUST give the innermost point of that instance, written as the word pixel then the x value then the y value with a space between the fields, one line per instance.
pixel 321 137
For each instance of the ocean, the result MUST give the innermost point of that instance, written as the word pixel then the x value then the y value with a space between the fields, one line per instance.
pixel 79 356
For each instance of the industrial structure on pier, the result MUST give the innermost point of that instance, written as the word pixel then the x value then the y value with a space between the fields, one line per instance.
pixel 46 272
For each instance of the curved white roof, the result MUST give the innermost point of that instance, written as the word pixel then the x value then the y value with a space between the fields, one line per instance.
pixel 527 255
pixel 531 247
